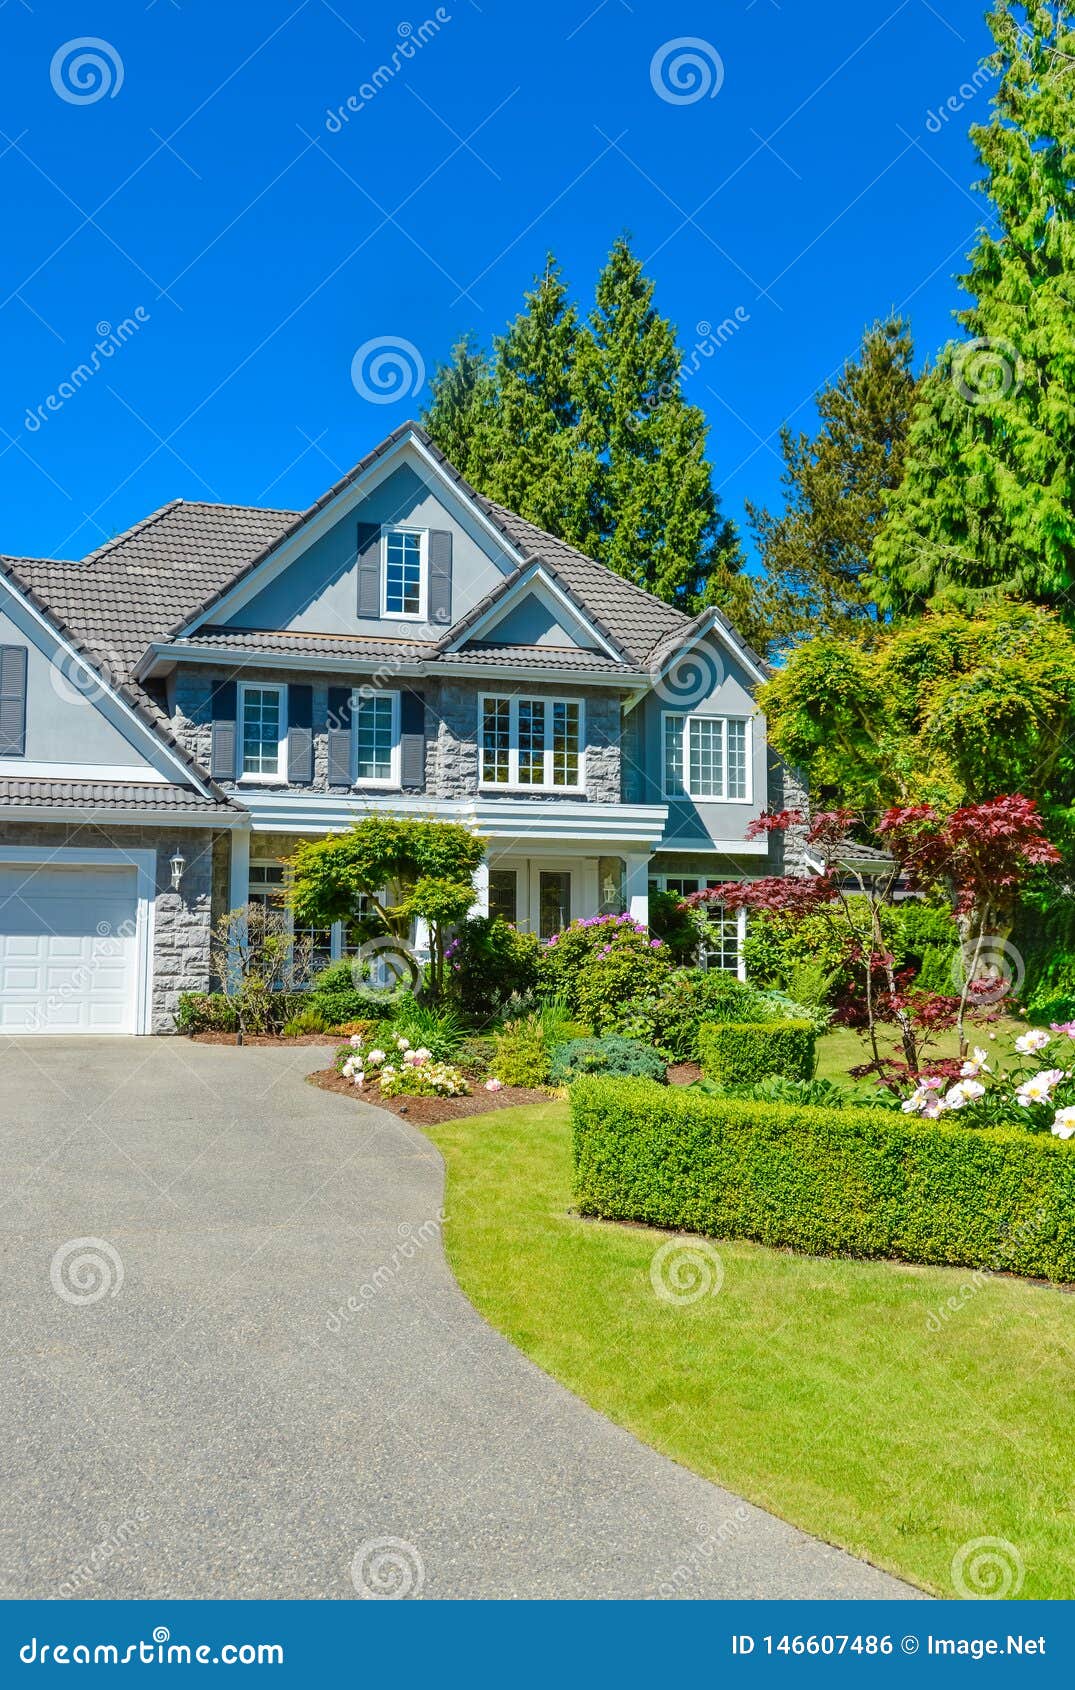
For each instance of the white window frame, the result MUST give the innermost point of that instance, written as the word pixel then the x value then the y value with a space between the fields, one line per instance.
pixel 253 779
pixel 422 613
pixel 705 882
pixel 513 783
pixel 393 780
pixel 685 754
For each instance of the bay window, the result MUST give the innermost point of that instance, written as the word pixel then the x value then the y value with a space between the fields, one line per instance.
pixel 707 757
pixel 531 742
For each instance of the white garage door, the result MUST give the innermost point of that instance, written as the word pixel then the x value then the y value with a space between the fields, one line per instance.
pixel 68 949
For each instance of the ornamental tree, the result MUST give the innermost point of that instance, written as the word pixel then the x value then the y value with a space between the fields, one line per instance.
pixel 393 872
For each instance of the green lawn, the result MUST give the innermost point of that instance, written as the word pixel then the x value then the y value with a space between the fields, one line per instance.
pixel 814 1387
pixel 846 1048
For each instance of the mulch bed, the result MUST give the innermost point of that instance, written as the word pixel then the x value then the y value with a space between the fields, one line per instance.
pixel 684 1073
pixel 428 1111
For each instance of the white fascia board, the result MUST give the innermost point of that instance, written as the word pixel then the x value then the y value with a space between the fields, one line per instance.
pixel 718 847
pixel 638 824
pixel 500 607
pixel 712 625
pixel 153 748
pixel 126 774
pixel 347 499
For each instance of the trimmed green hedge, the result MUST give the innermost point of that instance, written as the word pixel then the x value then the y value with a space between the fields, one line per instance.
pixel 829 1182
pixel 739 1052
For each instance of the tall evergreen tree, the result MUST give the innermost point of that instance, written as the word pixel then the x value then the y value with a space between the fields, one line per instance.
pixel 460 412
pixel 656 518
pixel 987 503
pixel 817 553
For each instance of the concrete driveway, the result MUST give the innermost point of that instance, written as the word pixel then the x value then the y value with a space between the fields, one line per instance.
pixel 257 1378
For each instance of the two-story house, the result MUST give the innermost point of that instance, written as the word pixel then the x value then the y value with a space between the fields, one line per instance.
pixel 182 706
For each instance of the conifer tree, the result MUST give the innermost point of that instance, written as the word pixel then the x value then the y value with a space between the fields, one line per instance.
pixel 987 503
pixel 460 412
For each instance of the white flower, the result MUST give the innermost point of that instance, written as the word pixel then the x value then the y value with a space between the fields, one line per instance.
pixel 359 1077
pixel 956 1098
pixel 1035 1090
pixel 978 1064
pixel 1027 1043
pixel 1064 1123
pixel 972 1089
pixel 403 1044
pixel 375 1057
pixel 498 1085
pixel 423 1055
pixel 356 1041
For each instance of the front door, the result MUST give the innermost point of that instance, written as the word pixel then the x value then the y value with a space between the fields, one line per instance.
pixel 554 901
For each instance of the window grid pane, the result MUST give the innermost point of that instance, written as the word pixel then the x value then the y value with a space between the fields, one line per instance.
pixel 496 741
pixel 565 745
pixel 737 758
pixel 373 736
pixel 403 574
pixel 706 743
pixel 531 742
pixel 673 756
pixel 261 731
pixel 503 894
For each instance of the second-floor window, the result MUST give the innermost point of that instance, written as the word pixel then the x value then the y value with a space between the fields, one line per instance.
pixel 404 573
pixel 707 757
pixel 376 734
pixel 264 730
pixel 531 742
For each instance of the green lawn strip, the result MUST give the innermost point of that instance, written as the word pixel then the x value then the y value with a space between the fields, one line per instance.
pixel 845 1047
pixel 813 1387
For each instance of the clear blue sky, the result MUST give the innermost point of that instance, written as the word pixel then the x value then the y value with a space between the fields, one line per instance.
pixel 257 244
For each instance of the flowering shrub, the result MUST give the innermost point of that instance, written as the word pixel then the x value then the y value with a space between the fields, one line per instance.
pixel 595 967
pixel 1033 1093
pixel 401 1070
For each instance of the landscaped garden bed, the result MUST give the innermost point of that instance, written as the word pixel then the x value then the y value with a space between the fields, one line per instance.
pixel 427 1111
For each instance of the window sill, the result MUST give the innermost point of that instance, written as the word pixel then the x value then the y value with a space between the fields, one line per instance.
pixel 376 786
pixel 541 791
pixel 262 780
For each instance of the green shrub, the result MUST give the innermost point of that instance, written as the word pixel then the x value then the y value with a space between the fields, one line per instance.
pixel 333 995
pixel 440 1031
pixel 521 1054
pixel 489 961
pixel 1042 1011
pixel 308 1020
pixel 740 1053
pixel 680 927
pixel 848 1182
pixel 610 1055
pixel 597 966
pixel 205 1012
pixel 776 1089
pixel 671 1017
pixel 778 1006
pixel 809 983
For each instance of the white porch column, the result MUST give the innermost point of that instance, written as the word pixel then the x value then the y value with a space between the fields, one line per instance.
pixel 637 889
pixel 480 906
pixel 239 879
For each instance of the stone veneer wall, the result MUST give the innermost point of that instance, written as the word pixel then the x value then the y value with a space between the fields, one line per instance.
pixel 181 919
pixel 451 728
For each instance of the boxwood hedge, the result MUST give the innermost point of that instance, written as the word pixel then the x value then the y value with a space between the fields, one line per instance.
pixel 739 1052
pixel 830 1182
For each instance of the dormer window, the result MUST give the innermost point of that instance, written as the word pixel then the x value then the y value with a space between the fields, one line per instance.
pixel 404 573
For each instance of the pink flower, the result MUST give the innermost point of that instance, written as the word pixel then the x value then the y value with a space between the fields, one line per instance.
pixel 1067 1027
pixel 494 1085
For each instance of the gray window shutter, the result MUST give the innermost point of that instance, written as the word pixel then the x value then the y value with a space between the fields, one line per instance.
pixel 339 736
pixel 300 735
pixel 369 570
pixel 440 577
pixel 412 742
pixel 12 700
pixel 224 751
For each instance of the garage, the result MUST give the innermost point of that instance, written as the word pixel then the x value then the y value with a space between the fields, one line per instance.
pixel 70 946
